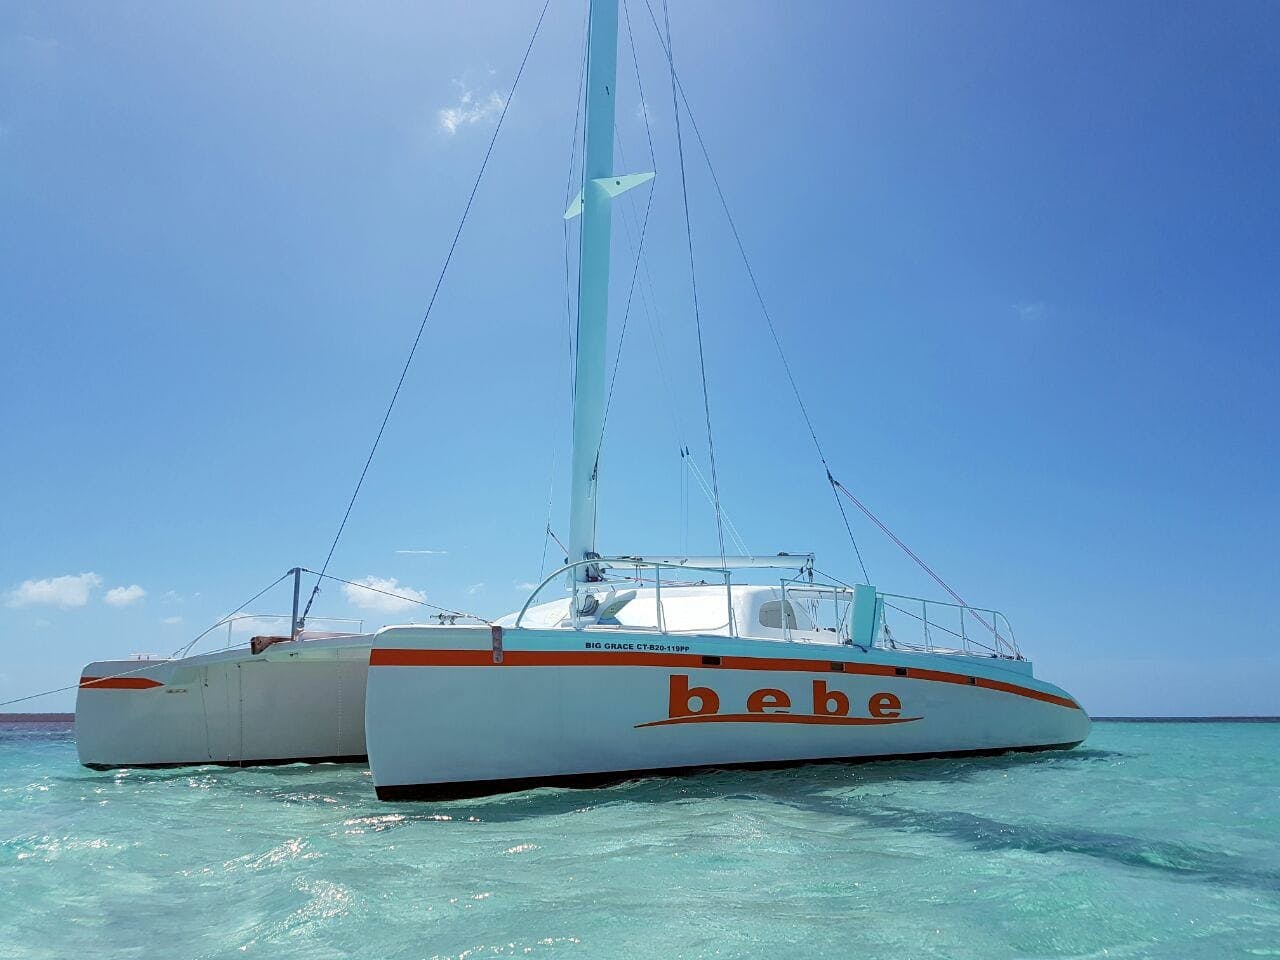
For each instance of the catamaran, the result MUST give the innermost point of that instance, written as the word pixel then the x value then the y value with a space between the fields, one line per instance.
pixel 619 666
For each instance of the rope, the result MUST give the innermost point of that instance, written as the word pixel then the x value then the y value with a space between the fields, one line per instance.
pixel 430 303
pixel 693 280
pixel 552 534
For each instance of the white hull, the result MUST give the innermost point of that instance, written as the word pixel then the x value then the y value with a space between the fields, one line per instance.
pixel 300 701
pixel 444 719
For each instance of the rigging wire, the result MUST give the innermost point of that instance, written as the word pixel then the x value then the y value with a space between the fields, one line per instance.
pixel 693 279
pixel 687 460
pixel 626 315
pixel 568 196
pixel 795 388
pixel 648 299
pixel 684 501
pixel 573 371
pixel 642 231
pixel 568 295
pixel 400 596
pixel 706 489
pixel 644 227
pixel 180 652
pixel 183 650
pixel 912 554
pixel 444 268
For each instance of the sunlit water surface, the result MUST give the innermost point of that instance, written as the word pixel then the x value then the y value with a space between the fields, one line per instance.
pixel 1153 840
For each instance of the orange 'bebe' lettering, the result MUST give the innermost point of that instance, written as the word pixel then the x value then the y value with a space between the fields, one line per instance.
pixel 884 706
pixel 767 699
pixel 828 703
pixel 687 704
pixel 682 694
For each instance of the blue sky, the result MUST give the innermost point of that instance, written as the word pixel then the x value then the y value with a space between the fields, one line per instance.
pixel 1024 258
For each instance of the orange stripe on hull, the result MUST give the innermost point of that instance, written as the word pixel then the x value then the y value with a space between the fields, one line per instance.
pixel 392 657
pixel 119 683
pixel 777 718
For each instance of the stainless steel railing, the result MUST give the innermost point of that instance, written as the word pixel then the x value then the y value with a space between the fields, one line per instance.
pixel 935 626
pixel 902 622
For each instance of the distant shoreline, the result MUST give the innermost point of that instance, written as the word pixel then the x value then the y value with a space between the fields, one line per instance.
pixel 70 717
pixel 1186 719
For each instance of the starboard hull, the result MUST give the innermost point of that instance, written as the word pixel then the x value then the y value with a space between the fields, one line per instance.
pixel 547 707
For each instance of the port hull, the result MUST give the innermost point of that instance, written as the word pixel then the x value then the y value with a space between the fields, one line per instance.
pixel 296 702
pixel 451 712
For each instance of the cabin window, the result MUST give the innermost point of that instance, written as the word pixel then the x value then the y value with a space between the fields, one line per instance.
pixel 771 614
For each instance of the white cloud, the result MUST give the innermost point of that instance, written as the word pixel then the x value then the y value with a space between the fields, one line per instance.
pixel 171 620
pixel 1030 310
pixel 423 553
pixel 123 596
pixel 405 596
pixel 474 589
pixel 255 623
pixel 472 107
pixel 68 591
pixel 526 585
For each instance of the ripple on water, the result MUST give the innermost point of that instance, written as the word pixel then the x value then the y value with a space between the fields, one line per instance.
pixel 1152 842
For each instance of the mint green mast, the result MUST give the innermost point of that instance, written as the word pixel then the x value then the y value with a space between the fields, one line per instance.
pixel 594 203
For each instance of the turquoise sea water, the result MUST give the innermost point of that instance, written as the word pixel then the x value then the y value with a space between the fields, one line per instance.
pixel 1152 840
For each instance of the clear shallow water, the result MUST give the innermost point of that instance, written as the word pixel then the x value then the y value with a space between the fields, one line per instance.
pixel 1154 840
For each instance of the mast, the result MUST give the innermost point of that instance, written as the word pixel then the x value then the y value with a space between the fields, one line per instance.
pixel 593 280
